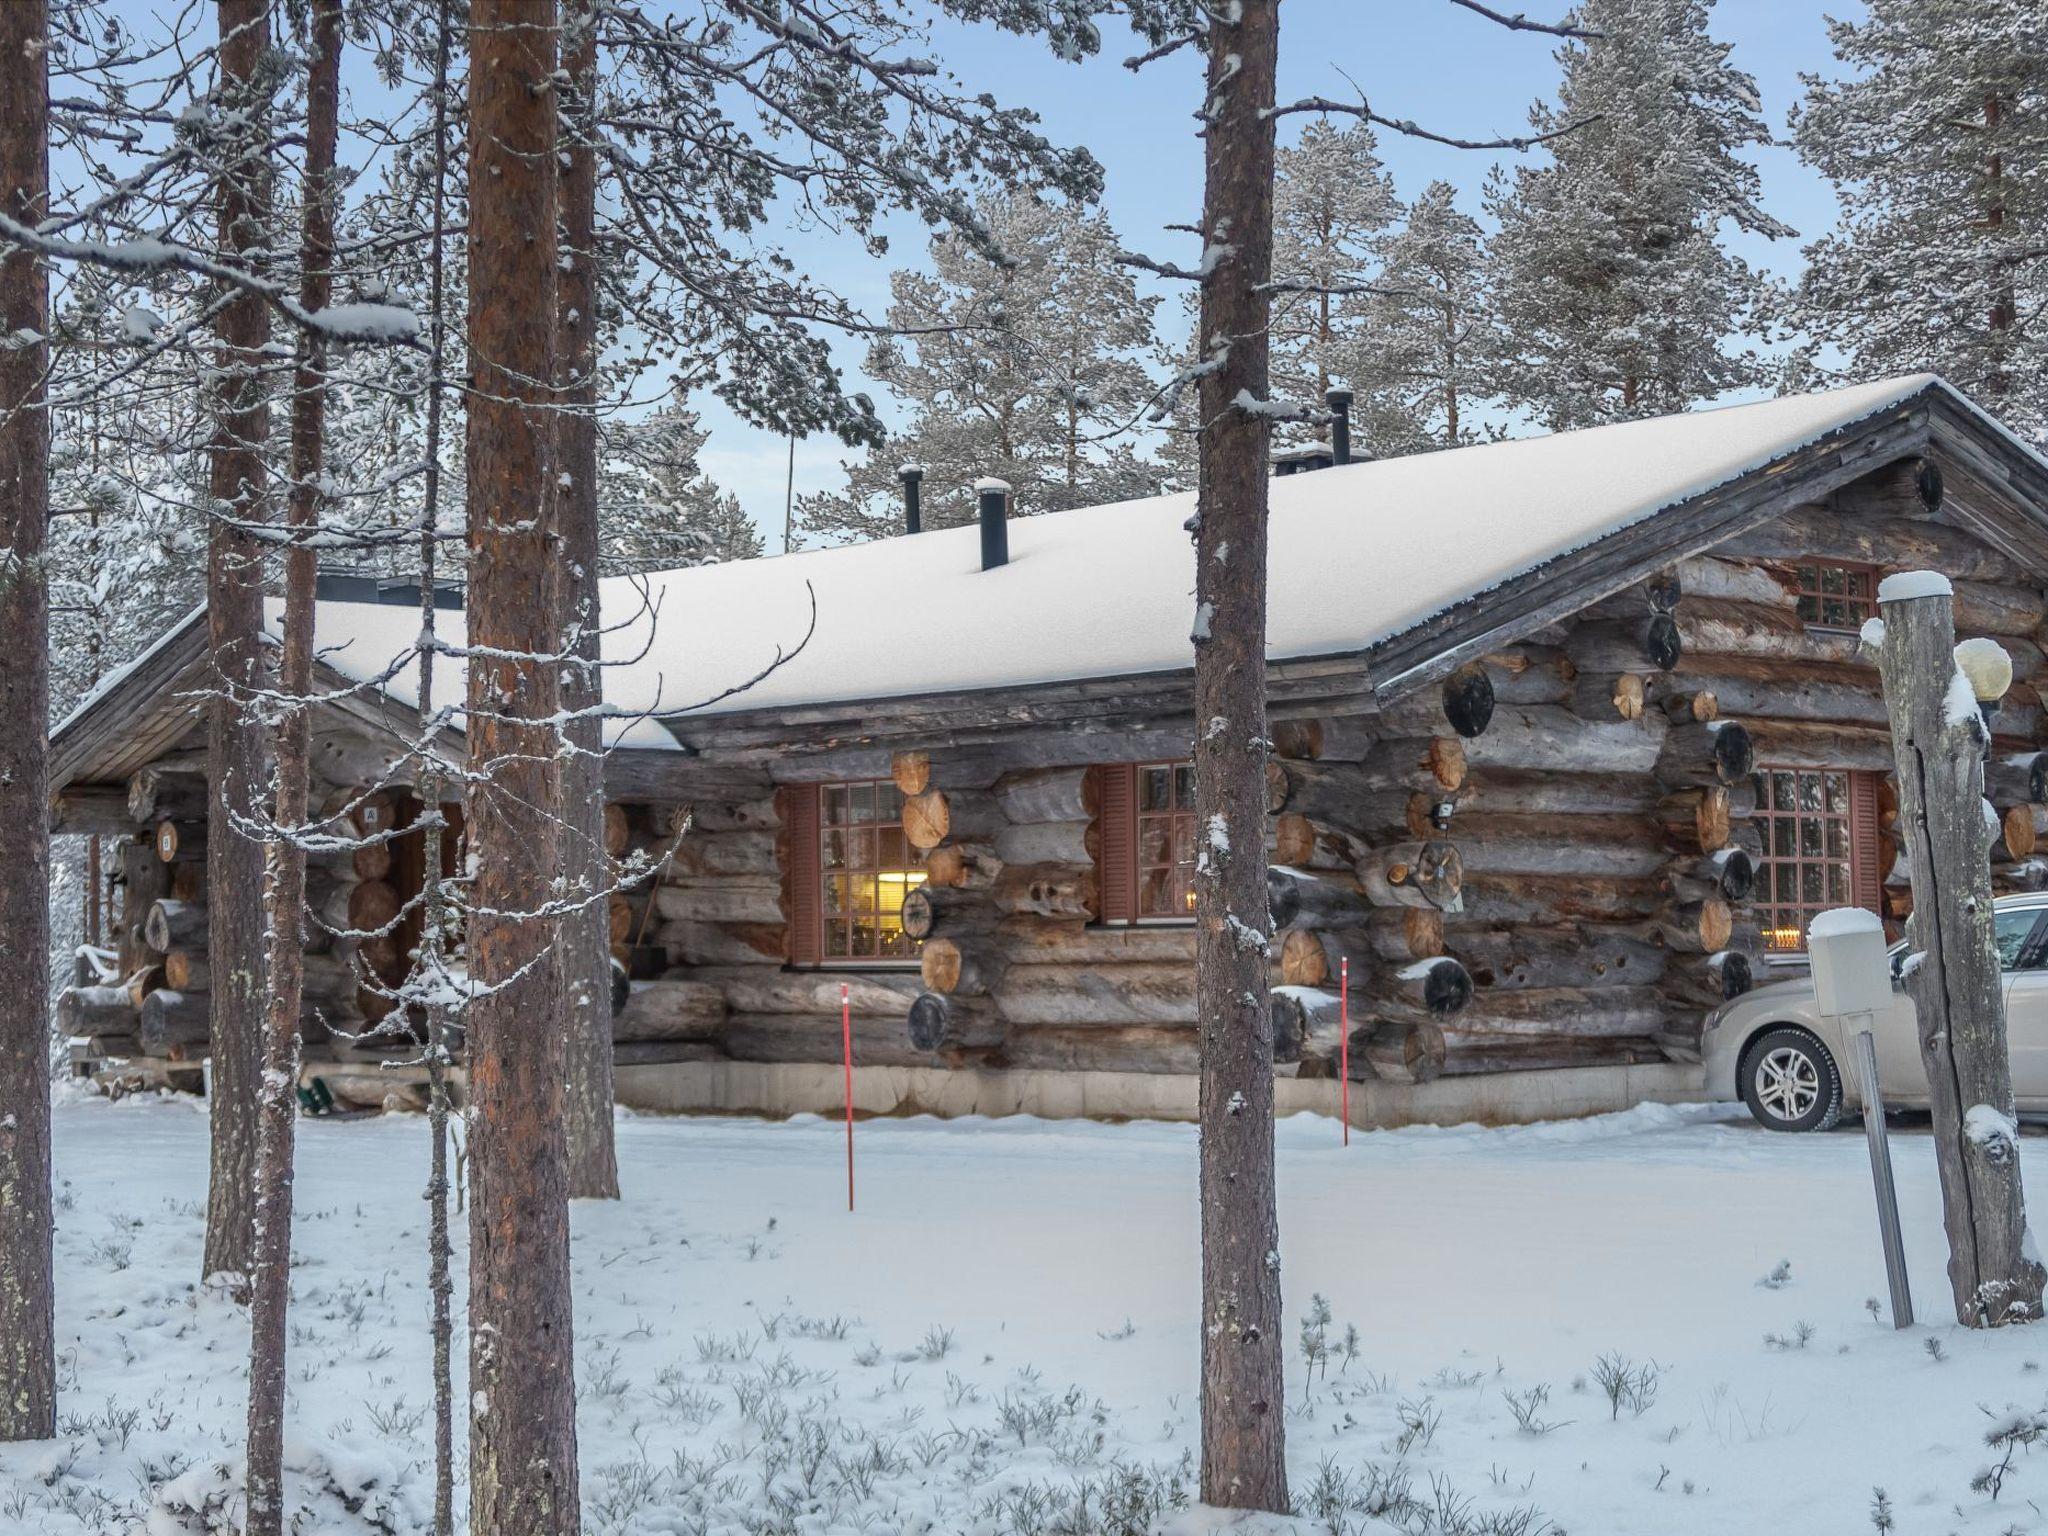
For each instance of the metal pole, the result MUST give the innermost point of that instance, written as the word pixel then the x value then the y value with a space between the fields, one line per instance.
pixel 1865 1052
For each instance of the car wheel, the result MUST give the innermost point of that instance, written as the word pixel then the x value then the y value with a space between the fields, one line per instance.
pixel 1790 1083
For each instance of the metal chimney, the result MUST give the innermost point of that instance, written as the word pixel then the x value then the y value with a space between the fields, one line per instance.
pixel 1339 401
pixel 994 496
pixel 910 475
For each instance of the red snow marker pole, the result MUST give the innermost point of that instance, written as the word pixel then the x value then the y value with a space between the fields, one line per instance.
pixel 846 1041
pixel 1344 1031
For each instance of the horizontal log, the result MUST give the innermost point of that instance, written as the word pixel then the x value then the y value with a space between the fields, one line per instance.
pixel 1696 927
pixel 1474 1052
pixel 1600 847
pixel 754 899
pixel 1302 842
pixel 1552 738
pixel 1551 899
pixel 761 989
pixel 91 809
pixel 1129 994
pixel 1706 752
pixel 1345 794
pixel 1400 1053
pixel 1711 980
pixel 1893 542
pixel 1712 577
pixel 1728 874
pixel 175 925
pixel 1912 487
pixel 1070 941
pixel 2017 779
pixel 1048 794
pixel 1424 874
pixel 1300 898
pixel 1647 643
pixel 1698 818
pixel 879 1040
pixel 1146 1048
pixel 704 943
pixel 706 854
pixel 1438 988
pixel 1797 744
pixel 617 830
pixel 1787 690
pixel 1532 955
pixel 1582 1011
pixel 1307 1023
pixel 1512 792
pixel 1045 890
pixel 929 910
pixel 655 1053
pixel 95 1011
pixel 670 1009
pixel 970 968
pixel 169 1021
pixel 746 812
pixel 937 1022
pixel 1045 842
pixel 160 791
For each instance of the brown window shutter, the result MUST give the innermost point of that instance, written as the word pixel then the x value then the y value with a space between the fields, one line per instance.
pixel 1866 877
pixel 804 897
pixel 1117 850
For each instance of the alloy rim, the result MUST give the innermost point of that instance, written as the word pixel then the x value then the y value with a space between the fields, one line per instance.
pixel 1788 1083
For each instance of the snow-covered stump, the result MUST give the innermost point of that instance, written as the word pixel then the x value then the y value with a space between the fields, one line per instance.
pixel 1938 741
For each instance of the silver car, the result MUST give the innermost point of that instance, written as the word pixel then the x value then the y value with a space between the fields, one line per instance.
pixel 1772 1049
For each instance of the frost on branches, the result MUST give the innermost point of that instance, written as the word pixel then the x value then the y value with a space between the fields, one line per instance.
pixel 1030 368
pixel 1938 147
pixel 1610 276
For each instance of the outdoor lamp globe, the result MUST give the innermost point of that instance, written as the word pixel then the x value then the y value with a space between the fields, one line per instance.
pixel 1988 668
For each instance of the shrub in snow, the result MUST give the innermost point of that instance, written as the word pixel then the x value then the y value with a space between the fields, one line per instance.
pixel 1626 1384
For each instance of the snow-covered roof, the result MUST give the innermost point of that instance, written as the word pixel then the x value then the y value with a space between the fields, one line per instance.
pixel 1359 554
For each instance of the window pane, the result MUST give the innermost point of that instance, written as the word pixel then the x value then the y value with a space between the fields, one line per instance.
pixel 1155 840
pixel 1809 792
pixel 1184 786
pixel 1838 884
pixel 834 850
pixel 1812 890
pixel 1838 793
pixel 836 942
pixel 835 804
pixel 1838 839
pixel 1155 789
pixel 1155 893
pixel 1810 837
pixel 1783 797
pixel 1783 833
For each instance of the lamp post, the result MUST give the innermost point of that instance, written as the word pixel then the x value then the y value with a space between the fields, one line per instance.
pixel 1988 670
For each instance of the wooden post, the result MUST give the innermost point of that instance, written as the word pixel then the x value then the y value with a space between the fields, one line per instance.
pixel 1952 968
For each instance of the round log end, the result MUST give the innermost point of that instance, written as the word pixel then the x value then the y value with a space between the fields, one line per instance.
pixel 1734 752
pixel 1738 875
pixel 167 840
pixel 1717 925
pixel 1663 591
pixel 927 818
pixel 1277 787
pixel 1468 700
pixel 1927 484
pixel 927 1018
pixel 918 913
pixel 1303 961
pixel 1628 696
pixel 1446 986
pixel 1301 740
pixel 1423 930
pixel 1447 761
pixel 2018 830
pixel 1736 974
pixel 1711 818
pixel 1283 899
pixel 912 771
pixel 1662 643
pixel 940 964
pixel 618 829
pixel 1405 1053
pixel 622 986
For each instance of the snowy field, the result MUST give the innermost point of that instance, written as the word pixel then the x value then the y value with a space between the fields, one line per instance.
pixel 1001 1340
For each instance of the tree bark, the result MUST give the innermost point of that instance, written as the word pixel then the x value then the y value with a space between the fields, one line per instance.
pixel 1956 985
pixel 586 948
pixel 28 1387
pixel 286 857
pixel 237 754
pixel 522 1460
pixel 1243 1420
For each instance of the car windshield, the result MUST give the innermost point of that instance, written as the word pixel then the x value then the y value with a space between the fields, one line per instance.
pixel 2015 927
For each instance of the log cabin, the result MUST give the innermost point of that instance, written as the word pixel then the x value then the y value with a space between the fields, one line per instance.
pixel 1570 738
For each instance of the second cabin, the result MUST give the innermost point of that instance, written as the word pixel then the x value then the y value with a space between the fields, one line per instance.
pixel 1571 738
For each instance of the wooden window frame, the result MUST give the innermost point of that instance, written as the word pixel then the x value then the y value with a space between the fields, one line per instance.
pixel 1861 570
pixel 1120 871
pixel 1864 883
pixel 806 870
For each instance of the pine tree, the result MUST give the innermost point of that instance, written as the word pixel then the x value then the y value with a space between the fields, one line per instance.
pixel 1027 369
pixel 1937 143
pixel 659 509
pixel 1611 278
pixel 1332 205
pixel 1428 348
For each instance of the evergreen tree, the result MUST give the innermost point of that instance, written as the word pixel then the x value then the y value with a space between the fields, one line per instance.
pixel 1026 369
pixel 1610 275
pixel 1426 354
pixel 659 510
pixel 1937 143
pixel 1332 205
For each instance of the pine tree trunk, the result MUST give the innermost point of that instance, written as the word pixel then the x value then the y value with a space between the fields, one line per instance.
pixel 522 1458
pixel 1243 1446
pixel 278 1098
pixel 586 932
pixel 236 756
pixel 1957 987
pixel 28 1386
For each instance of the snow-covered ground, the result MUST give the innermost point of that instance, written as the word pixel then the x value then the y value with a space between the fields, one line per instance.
pixel 1001 1339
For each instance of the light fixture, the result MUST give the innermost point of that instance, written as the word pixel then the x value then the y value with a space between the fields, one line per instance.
pixel 1988 670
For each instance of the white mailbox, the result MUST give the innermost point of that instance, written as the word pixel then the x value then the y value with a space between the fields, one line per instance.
pixel 1846 948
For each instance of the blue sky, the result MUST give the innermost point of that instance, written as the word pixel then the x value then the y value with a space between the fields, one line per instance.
pixel 1423 59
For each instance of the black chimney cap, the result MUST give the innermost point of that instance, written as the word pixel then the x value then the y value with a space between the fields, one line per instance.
pixel 994 498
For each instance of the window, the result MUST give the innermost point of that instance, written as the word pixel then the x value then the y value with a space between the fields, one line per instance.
pixel 1146 858
pixel 2019 944
pixel 1820 849
pixel 850 867
pixel 1836 595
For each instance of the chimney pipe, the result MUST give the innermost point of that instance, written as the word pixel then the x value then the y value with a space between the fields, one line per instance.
pixel 994 496
pixel 913 517
pixel 1339 401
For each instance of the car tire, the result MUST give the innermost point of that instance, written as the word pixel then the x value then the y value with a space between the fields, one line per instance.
pixel 1790 1082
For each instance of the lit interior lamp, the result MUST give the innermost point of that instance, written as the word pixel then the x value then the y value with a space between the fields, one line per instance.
pixel 1988 670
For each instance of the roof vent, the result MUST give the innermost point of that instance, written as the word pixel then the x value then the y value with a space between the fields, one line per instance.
pixel 913 518
pixel 994 496
pixel 1301 458
pixel 389 591
pixel 1339 401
